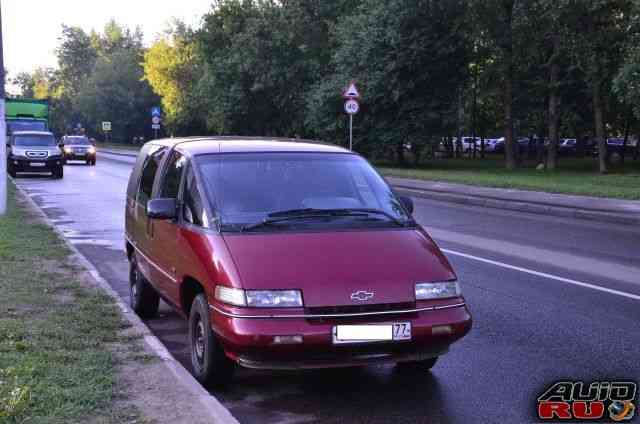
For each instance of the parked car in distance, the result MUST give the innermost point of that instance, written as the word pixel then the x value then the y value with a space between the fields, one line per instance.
pixel 488 144
pixel 285 255
pixel 567 146
pixel 34 152
pixel 79 147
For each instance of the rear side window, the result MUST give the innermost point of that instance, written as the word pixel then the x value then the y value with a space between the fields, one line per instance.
pixel 149 171
pixel 175 169
pixel 137 168
pixel 193 210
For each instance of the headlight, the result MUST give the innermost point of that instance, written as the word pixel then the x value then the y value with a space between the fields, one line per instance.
pixel 274 298
pixel 231 296
pixel 259 298
pixel 441 290
pixel 68 150
pixel 91 150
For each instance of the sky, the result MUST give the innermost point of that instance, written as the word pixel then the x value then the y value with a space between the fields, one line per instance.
pixel 31 27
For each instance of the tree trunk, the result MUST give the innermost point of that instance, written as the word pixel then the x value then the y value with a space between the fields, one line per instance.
pixel 510 157
pixel 627 124
pixel 599 123
pixel 400 153
pixel 554 116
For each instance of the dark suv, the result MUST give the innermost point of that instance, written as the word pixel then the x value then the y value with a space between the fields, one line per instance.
pixel 286 255
pixel 79 147
pixel 34 151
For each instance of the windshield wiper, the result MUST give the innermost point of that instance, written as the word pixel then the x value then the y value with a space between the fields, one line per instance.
pixel 291 214
pixel 282 218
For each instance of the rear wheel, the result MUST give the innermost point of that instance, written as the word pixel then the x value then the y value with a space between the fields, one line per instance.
pixel 210 365
pixel 417 366
pixel 143 298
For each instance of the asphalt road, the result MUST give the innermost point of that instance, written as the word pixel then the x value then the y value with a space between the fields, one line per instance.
pixel 552 298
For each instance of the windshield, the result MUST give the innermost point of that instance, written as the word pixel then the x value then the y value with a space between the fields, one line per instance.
pixel 34 140
pixel 248 188
pixel 14 126
pixel 76 140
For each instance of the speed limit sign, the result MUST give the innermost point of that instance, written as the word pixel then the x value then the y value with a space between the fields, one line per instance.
pixel 351 106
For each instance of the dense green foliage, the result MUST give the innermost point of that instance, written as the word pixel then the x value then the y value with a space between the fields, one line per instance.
pixel 428 70
pixel 99 78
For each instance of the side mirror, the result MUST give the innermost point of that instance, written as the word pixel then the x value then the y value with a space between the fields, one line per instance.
pixel 407 202
pixel 162 209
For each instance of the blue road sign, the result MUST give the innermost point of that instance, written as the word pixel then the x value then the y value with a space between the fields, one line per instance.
pixel 156 111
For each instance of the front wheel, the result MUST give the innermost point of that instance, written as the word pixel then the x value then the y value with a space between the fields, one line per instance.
pixel 143 298
pixel 210 365
pixel 12 171
pixel 58 174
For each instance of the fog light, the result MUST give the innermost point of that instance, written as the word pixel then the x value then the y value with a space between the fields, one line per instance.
pixel 15 162
pixel 287 339
pixel 441 330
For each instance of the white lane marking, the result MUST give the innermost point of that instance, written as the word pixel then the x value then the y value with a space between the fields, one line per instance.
pixel 544 275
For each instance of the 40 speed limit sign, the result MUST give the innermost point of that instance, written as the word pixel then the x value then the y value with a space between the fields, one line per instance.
pixel 351 106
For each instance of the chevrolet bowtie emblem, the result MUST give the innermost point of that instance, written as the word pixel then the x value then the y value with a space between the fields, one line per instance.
pixel 361 296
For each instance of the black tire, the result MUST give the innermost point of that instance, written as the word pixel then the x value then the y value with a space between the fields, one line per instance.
pixel 417 366
pixel 93 162
pixel 58 174
pixel 210 365
pixel 88 162
pixel 12 171
pixel 143 298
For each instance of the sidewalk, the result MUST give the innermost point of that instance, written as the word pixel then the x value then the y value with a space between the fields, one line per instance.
pixel 562 205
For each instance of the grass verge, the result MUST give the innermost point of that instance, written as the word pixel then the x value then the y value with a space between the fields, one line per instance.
pixel 55 331
pixel 575 176
pixel 119 146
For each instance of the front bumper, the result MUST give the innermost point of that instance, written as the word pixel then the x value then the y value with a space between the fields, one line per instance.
pixel 27 165
pixel 79 156
pixel 250 341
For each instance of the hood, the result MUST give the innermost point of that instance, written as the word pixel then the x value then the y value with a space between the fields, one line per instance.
pixel 330 266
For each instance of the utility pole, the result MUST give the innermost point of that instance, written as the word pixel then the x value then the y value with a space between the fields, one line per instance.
pixel 3 131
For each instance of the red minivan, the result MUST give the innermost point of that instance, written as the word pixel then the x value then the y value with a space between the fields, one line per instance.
pixel 285 254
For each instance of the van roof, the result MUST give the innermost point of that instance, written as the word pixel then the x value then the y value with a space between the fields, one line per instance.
pixel 233 144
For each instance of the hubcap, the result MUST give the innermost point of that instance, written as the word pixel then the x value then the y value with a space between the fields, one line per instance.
pixel 198 341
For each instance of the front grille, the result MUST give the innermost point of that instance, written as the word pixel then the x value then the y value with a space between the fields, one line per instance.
pixel 357 309
pixel 37 155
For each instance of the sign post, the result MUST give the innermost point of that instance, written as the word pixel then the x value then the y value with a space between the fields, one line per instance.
pixel 3 133
pixel 106 129
pixel 156 119
pixel 351 107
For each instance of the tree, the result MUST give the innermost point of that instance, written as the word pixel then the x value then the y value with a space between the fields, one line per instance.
pixel 76 58
pixel 408 71
pixel 598 53
pixel 173 68
pixel 26 84
pixel 116 92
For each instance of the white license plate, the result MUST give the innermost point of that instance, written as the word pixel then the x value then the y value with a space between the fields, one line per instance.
pixel 371 333
pixel 37 164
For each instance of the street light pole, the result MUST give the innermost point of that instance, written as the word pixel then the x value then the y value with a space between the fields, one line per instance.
pixel 3 131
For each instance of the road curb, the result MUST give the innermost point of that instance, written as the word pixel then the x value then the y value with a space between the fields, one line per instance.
pixel 209 404
pixel 536 208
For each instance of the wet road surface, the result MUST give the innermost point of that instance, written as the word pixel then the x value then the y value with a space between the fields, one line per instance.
pixel 533 324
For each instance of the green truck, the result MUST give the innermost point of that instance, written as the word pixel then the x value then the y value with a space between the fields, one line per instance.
pixel 26 115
